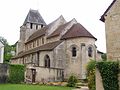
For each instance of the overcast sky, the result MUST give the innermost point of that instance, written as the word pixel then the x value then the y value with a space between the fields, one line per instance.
pixel 86 12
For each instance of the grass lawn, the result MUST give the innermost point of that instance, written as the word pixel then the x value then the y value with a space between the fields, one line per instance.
pixel 31 87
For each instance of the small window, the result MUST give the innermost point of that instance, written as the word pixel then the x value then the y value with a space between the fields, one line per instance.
pixel 31 25
pixel 37 42
pixel 41 26
pixel 74 52
pixel 47 61
pixel 42 40
pixel 36 26
pixel 90 51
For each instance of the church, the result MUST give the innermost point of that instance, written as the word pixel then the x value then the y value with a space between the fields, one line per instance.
pixel 54 51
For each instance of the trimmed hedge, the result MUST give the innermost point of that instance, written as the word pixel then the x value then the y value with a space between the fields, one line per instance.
pixel 16 73
pixel 109 73
pixel 91 74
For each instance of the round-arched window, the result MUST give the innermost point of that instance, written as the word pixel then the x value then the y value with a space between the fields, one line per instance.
pixel 47 61
pixel 74 52
pixel 90 51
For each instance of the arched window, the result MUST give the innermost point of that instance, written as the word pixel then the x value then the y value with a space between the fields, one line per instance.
pixel 47 61
pixel 74 52
pixel 90 51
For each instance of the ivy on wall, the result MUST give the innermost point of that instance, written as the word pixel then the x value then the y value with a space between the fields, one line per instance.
pixel 109 73
pixel 16 73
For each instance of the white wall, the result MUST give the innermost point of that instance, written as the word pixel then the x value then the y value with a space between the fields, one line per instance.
pixel 1 52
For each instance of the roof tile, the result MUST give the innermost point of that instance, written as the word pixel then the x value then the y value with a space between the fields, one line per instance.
pixel 77 30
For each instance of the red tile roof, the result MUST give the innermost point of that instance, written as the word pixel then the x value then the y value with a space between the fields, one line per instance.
pixel 102 17
pixel 77 30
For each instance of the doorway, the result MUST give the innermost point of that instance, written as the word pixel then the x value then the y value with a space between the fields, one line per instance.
pixel 33 75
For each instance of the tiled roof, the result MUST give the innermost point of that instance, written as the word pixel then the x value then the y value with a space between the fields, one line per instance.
pixel 46 47
pixel 102 17
pixel 42 31
pixel 37 34
pixel 77 30
pixel 34 17
pixel 58 30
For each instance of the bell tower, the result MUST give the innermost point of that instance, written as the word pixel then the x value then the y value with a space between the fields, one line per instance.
pixel 32 23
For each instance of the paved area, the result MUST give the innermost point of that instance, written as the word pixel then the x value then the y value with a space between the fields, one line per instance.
pixel 82 88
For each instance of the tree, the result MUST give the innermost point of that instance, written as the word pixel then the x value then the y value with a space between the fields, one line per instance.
pixel 104 56
pixel 7 50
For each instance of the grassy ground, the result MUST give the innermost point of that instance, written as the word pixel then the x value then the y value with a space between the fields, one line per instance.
pixel 31 87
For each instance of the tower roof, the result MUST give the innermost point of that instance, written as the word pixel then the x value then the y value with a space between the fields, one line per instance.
pixel 34 16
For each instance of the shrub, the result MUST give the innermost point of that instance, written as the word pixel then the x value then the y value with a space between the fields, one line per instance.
pixel 109 73
pixel 72 81
pixel 16 73
pixel 91 74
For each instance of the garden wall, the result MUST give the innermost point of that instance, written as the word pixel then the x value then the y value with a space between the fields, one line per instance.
pixel 99 84
pixel 3 72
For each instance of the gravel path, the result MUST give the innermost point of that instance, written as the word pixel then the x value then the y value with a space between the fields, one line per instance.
pixel 82 88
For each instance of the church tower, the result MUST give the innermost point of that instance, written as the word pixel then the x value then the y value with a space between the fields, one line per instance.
pixel 32 23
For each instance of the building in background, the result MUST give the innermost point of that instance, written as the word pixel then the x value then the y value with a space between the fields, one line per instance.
pixel 111 18
pixel 1 52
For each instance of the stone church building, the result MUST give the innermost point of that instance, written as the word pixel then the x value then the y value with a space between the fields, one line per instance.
pixel 52 52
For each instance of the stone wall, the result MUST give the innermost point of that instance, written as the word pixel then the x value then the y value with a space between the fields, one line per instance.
pixel 3 73
pixel 112 28
pixel 77 65
pixel 99 84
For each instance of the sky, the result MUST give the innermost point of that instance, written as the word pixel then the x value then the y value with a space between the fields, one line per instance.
pixel 86 12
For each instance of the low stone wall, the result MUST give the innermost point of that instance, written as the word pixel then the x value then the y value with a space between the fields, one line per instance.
pixel 3 72
pixel 99 84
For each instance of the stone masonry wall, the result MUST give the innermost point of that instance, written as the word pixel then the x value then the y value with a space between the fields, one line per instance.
pixel 3 73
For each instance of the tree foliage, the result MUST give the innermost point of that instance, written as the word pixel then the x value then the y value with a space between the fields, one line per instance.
pixel 91 74
pixel 7 49
pixel 104 56
pixel 72 81
pixel 109 72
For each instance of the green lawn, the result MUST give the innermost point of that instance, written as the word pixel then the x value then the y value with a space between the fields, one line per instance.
pixel 31 87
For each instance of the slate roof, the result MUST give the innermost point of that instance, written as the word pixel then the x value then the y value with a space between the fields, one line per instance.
pixel 42 31
pixel 77 30
pixel 37 34
pixel 102 17
pixel 58 30
pixel 45 47
pixel 34 17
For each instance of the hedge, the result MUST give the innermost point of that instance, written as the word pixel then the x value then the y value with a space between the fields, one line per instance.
pixel 109 73
pixel 16 73
pixel 91 74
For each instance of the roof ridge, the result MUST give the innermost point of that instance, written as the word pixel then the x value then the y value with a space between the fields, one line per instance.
pixel 34 16
pixel 102 17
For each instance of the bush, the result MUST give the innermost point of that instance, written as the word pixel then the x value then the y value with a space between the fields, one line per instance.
pixel 72 81
pixel 109 73
pixel 91 75
pixel 16 73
